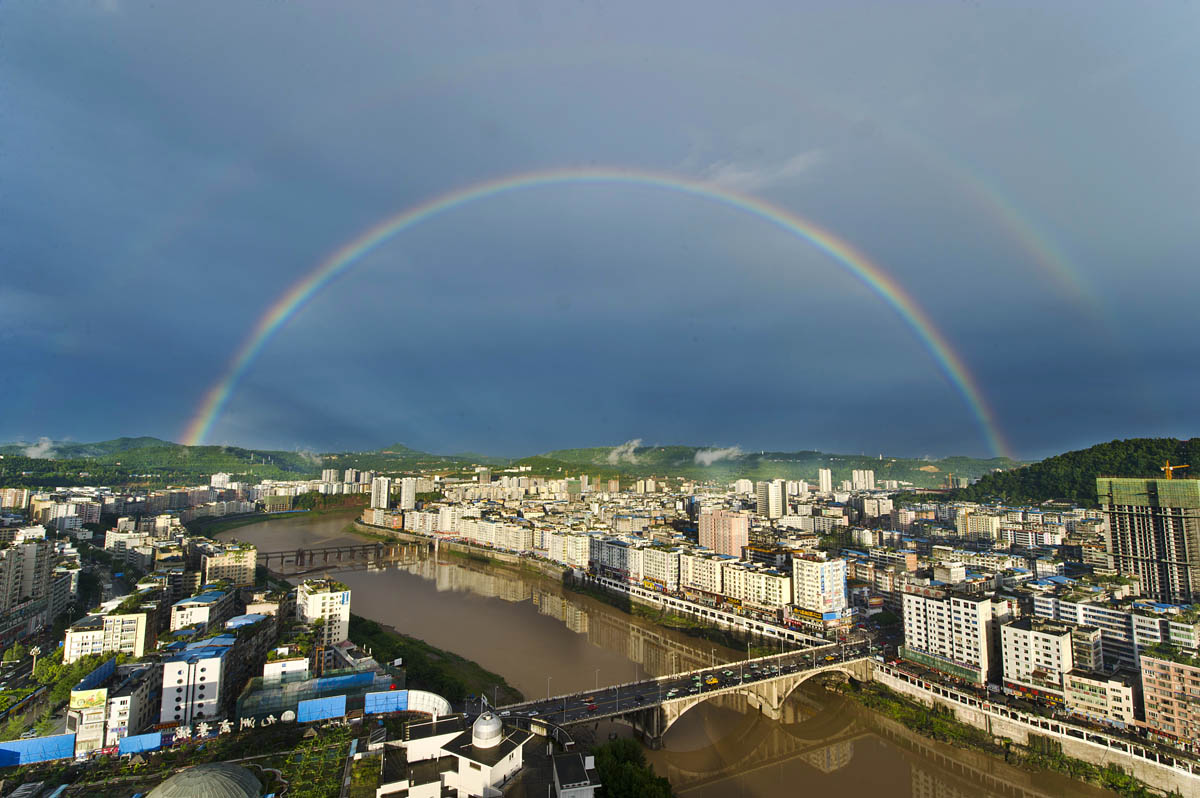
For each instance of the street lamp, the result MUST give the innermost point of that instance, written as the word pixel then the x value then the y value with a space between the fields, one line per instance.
pixel 548 678
pixel 597 678
pixel 35 651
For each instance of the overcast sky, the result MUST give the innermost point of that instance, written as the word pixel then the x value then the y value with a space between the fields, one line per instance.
pixel 1028 172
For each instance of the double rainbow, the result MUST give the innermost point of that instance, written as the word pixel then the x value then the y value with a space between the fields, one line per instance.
pixel 342 259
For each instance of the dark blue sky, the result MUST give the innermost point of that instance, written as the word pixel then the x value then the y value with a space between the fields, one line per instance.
pixel 168 171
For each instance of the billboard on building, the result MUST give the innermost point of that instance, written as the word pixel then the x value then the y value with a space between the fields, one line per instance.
pixel 88 699
pixel 321 709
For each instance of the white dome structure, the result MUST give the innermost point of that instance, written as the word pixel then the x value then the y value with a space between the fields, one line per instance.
pixel 487 731
pixel 215 780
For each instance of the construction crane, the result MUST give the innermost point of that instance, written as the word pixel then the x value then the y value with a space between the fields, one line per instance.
pixel 1169 469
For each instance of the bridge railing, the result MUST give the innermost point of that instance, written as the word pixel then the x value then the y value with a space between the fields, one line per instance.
pixel 741 663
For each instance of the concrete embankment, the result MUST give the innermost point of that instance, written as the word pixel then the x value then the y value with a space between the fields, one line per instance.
pixel 1144 762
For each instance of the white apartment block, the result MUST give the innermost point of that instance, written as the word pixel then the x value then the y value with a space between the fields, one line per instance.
pixel 1036 654
pixel 703 572
pixel 825 480
pixel 661 566
pixel 949 632
pixel 193 682
pixel 819 584
pixel 757 585
pixel 328 601
pixel 133 634
pixel 408 493
pixel 381 493
pixel 1105 697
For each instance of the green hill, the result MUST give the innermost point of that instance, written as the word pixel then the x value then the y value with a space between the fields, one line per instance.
pixel 145 461
pixel 1072 476
pixel 689 461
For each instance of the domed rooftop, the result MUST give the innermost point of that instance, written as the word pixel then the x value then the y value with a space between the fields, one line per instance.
pixel 487 731
pixel 215 780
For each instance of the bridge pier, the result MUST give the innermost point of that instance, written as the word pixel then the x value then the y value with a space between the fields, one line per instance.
pixel 650 724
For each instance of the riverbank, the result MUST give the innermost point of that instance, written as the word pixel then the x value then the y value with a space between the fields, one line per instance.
pixel 939 723
pixel 430 668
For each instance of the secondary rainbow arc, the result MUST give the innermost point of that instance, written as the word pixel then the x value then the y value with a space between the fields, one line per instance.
pixel 842 252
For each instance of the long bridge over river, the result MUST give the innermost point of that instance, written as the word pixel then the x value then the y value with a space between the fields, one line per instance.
pixel 308 559
pixel 652 706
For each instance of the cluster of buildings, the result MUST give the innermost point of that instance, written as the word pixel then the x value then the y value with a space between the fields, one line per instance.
pixel 198 659
pixel 1094 612
pixel 1100 618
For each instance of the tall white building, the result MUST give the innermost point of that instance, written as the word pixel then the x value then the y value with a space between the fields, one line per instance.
pixel 949 632
pixel 825 480
pixel 408 493
pixel 325 600
pixel 329 475
pixel 771 498
pixel 1037 653
pixel 862 479
pixel 381 490
pixel 819 584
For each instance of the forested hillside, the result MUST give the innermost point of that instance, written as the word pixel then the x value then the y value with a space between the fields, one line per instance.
pixel 1072 476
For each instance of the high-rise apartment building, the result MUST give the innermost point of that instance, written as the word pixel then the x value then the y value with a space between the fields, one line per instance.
pixel 771 498
pixel 328 601
pixel 825 480
pixel 725 531
pixel 329 475
pixel 949 631
pixel 819 584
pixel 381 493
pixel 1038 653
pixel 862 479
pixel 351 476
pixel 1154 534
pixel 408 493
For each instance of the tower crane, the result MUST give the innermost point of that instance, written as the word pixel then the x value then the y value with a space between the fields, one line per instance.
pixel 1169 469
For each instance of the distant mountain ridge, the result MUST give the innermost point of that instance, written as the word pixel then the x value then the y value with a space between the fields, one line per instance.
pixel 152 460
pixel 1071 476
pixel 70 449
pixel 728 463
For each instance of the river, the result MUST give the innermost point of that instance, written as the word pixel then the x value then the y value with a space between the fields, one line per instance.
pixel 542 638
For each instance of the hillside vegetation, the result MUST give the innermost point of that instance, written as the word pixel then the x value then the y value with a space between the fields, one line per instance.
pixel 143 461
pixel 1072 476
pixel 689 461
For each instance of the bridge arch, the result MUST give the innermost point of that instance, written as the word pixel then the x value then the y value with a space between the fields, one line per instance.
pixel 767 696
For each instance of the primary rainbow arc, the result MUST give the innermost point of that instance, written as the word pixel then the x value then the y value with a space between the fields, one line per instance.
pixel 299 294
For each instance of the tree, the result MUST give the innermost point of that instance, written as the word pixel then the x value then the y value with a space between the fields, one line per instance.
pixel 622 767
pixel 15 653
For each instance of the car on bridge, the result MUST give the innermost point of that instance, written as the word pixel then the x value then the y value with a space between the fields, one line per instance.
pixel 710 679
